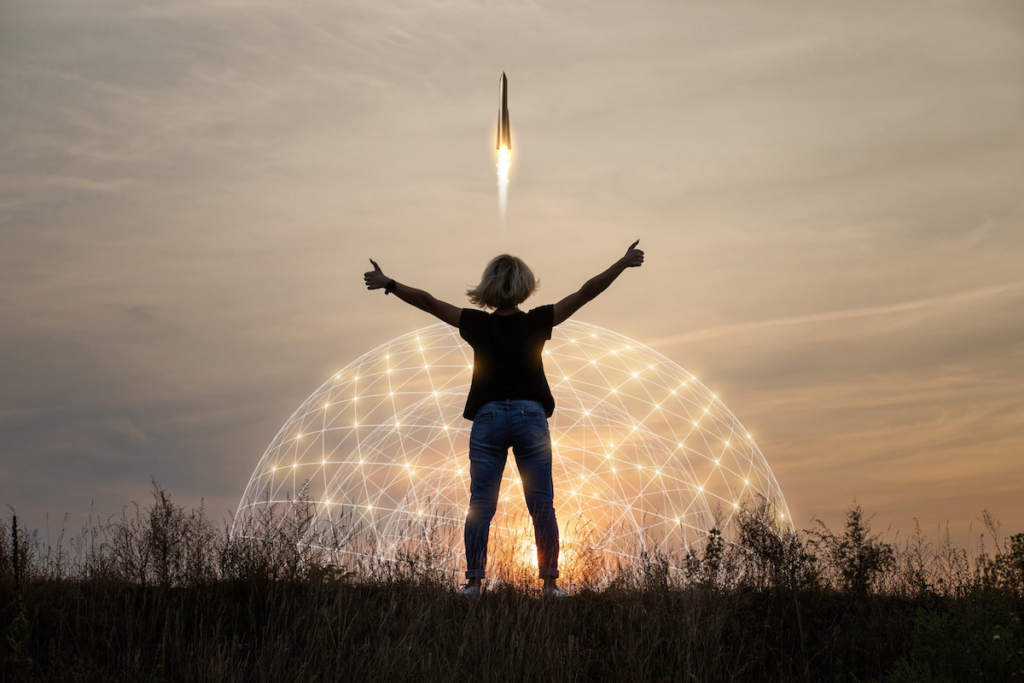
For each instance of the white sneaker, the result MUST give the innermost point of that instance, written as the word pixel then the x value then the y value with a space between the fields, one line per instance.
pixel 471 591
pixel 554 592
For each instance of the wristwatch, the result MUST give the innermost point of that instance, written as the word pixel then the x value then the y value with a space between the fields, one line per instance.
pixel 390 287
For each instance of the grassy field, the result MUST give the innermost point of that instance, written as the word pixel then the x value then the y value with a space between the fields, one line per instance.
pixel 162 594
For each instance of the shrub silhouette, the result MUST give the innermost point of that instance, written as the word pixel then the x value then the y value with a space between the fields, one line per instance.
pixel 1006 569
pixel 857 560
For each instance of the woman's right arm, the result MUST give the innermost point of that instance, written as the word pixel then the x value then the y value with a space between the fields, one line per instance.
pixel 564 309
pixel 376 279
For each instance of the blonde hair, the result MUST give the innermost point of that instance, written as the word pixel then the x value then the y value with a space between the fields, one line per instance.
pixel 507 282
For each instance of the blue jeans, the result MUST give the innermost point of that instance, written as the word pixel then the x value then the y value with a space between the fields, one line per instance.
pixel 523 426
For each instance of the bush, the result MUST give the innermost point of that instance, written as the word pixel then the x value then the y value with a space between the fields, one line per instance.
pixel 857 561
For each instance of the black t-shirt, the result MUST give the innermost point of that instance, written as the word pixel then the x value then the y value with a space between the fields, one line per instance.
pixel 507 356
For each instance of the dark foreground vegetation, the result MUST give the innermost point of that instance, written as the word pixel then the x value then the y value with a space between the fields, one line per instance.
pixel 162 594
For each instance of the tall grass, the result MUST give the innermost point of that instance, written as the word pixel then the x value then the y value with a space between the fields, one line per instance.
pixel 162 593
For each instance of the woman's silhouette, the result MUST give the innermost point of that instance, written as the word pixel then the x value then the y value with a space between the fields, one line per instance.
pixel 509 400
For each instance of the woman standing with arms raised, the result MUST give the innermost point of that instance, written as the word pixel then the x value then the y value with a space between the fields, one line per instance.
pixel 509 399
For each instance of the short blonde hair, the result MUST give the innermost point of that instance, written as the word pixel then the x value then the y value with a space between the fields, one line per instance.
pixel 507 282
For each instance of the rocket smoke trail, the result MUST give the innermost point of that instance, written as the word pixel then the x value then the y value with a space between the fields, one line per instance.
pixel 504 161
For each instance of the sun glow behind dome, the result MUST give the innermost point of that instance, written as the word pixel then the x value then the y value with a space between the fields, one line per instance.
pixel 644 454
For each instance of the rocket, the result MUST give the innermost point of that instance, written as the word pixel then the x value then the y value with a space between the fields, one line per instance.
pixel 504 136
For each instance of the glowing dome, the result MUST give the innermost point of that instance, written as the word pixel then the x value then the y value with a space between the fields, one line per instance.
pixel 645 454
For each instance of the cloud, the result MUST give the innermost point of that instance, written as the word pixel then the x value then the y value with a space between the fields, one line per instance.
pixel 846 314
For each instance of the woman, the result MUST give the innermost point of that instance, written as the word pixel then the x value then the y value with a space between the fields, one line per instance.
pixel 509 399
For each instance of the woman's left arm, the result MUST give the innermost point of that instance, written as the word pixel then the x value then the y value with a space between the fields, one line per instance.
pixel 376 279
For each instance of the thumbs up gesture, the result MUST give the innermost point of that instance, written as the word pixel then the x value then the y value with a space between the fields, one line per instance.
pixel 375 279
pixel 634 257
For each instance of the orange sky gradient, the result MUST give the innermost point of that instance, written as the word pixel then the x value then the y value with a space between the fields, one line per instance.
pixel 830 197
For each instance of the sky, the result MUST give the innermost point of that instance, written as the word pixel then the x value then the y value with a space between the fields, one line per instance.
pixel 830 196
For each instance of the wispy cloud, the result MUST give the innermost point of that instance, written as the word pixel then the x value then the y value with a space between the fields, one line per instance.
pixel 944 301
